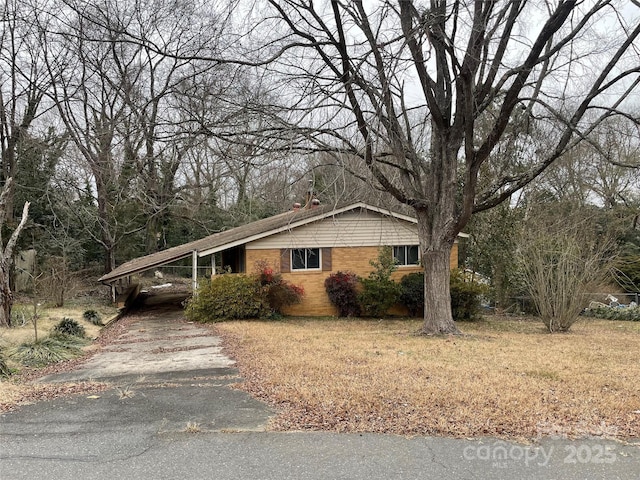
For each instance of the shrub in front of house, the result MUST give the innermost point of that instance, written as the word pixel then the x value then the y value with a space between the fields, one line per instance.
pixel 342 289
pixel 412 293
pixel 277 292
pixel 378 296
pixel 226 297
pixel 465 295
pixel 379 293
pixel 282 294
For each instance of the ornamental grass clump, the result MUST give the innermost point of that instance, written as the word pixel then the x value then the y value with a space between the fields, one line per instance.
pixel 93 317
pixel 44 352
pixel 5 371
pixel 68 326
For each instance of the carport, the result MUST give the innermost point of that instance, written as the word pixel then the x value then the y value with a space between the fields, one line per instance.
pixel 120 279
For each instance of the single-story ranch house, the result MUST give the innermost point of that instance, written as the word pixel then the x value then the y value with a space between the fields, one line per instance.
pixel 305 244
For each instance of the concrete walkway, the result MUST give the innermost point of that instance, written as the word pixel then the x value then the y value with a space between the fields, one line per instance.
pixel 171 413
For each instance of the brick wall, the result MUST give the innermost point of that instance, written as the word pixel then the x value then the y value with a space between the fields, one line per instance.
pixel 315 301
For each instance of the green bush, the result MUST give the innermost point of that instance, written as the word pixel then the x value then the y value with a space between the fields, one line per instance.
pixel 43 352
pixel 412 293
pixel 342 289
pixel 465 296
pixel 68 326
pixel 92 317
pixel 226 297
pixel 379 292
pixel 631 314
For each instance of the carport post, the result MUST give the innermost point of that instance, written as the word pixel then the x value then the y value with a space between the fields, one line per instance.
pixel 194 272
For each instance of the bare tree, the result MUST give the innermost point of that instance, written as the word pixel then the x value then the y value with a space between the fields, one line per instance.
pixel 424 93
pixel 88 95
pixel 602 170
pixel 23 82
pixel 6 254
pixel 120 102
pixel 615 149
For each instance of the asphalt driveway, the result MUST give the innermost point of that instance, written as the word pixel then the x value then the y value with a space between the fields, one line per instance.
pixel 170 412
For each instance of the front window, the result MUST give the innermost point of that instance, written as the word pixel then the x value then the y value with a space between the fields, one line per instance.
pixel 305 259
pixel 406 255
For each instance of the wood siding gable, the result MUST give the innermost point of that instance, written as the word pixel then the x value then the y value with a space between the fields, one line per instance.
pixel 350 229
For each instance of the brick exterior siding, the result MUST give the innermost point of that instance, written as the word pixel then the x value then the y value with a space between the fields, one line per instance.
pixel 315 301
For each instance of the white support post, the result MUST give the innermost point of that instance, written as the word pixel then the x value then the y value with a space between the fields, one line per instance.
pixel 213 265
pixel 194 274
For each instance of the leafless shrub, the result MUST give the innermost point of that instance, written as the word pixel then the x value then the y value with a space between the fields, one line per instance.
pixel 561 260
pixel 57 282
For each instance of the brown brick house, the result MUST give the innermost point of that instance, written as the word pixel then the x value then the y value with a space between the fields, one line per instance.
pixel 305 244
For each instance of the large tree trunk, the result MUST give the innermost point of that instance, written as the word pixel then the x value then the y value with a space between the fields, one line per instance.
pixel 152 238
pixel 437 223
pixel 438 319
pixel 435 246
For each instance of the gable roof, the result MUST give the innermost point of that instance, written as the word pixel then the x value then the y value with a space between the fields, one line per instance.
pixel 239 236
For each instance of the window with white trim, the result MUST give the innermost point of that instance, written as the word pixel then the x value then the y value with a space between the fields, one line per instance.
pixel 406 255
pixel 305 259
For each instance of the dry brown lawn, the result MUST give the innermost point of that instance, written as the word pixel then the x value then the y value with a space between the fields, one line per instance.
pixel 503 378
pixel 47 319
pixel 18 389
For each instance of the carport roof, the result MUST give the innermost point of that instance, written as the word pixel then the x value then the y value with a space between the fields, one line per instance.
pixel 238 236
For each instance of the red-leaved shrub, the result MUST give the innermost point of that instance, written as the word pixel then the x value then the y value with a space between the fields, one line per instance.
pixel 342 288
pixel 279 293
